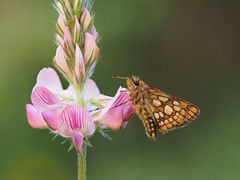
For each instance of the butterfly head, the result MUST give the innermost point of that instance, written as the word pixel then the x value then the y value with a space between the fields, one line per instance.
pixel 134 82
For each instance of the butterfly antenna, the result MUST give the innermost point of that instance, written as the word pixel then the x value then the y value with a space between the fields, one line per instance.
pixel 119 77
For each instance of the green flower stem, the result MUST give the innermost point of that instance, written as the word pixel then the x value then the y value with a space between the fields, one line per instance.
pixel 82 164
pixel 79 91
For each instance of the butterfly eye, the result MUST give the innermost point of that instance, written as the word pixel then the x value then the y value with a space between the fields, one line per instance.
pixel 136 81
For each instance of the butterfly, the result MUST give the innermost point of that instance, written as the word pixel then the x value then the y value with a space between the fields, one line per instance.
pixel 157 109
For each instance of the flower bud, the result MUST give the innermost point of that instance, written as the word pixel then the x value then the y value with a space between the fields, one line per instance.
pixel 68 42
pixel 94 32
pixel 91 51
pixel 60 62
pixel 79 64
pixel 77 29
pixel 85 19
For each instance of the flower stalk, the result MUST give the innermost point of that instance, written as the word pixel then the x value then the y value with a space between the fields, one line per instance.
pixel 82 164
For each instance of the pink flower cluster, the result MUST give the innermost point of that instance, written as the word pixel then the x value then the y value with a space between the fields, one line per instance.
pixel 75 112
pixel 57 109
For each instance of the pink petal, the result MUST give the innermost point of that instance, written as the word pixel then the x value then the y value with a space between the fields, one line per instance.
pixel 77 138
pixel 41 97
pixel 112 119
pixel 128 111
pixel 48 78
pixel 79 63
pixel 117 111
pixel 75 118
pixel 51 117
pixel 90 90
pixel 85 19
pixel 70 92
pixel 34 117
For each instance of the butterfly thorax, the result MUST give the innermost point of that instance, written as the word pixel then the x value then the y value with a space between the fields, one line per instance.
pixel 136 89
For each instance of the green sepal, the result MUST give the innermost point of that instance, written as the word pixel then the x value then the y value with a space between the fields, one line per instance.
pixel 87 142
pixel 103 133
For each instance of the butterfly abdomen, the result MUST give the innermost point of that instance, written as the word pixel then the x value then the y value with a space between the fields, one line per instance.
pixel 141 110
pixel 148 121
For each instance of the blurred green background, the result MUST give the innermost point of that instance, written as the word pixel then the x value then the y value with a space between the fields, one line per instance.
pixel 188 48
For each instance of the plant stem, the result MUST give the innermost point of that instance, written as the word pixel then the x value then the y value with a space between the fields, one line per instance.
pixel 79 91
pixel 82 163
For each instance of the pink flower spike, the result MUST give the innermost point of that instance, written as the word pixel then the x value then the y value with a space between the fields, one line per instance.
pixel 85 19
pixel 75 118
pixel 91 50
pixel 42 98
pixel 94 32
pixel 51 117
pixel 34 117
pixel 77 138
pixel 118 110
pixel 48 78
pixel 79 64
pixel 61 63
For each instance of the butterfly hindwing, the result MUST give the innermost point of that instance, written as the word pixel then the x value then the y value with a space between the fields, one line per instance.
pixel 169 112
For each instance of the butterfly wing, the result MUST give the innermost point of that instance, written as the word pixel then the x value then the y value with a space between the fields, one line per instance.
pixel 143 113
pixel 168 111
